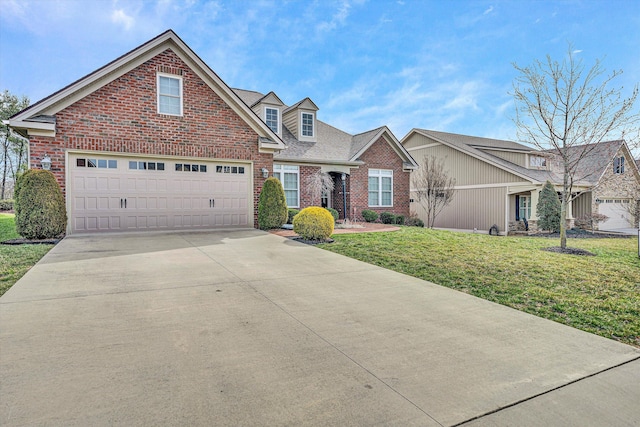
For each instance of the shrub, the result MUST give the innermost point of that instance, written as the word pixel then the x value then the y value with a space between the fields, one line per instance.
pixel 548 208
pixel 313 223
pixel 334 214
pixel 6 205
pixel 387 218
pixel 414 221
pixel 369 216
pixel 272 206
pixel 400 219
pixel 39 205
pixel 291 213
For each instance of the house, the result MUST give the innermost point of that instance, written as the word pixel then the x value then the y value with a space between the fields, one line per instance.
pixel 498 182
pixel 155 140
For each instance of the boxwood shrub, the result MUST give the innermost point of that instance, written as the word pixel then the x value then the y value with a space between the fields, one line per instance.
pixel 291 213
pixel 387 218
pixel 39 206
pixel 369 216
pixel 334 213
pixel 313 223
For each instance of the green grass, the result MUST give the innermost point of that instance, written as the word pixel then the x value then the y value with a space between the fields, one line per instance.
pixel 598 294
pixel 16 260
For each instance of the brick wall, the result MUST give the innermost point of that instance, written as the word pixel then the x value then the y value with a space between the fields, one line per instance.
pixel 306 198
pixel 122 117
pixel 379 156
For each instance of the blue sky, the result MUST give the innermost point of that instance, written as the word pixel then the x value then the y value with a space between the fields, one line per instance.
pixel 441 65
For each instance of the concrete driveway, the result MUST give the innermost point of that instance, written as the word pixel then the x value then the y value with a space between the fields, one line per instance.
pixel 248 328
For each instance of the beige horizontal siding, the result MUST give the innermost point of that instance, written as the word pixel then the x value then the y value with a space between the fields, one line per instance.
pixel 474 208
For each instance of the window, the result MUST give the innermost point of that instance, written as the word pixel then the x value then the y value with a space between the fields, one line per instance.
pixel 230 169
pixel 307 124
pixel 380 187
pixel 289 176
pixel 524 207
pixel 537 162
pixel 142 166
pixel 271 118
pixel 99 163
pixel 169 95
pixel 618 165
pixel 186 167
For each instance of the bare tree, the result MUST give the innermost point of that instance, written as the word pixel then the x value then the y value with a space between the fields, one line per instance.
pixel 560 106
pixel 433 189
pixel 319 183
pixel 14 147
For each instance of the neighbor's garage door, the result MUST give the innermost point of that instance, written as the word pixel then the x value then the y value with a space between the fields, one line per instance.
pixel 111 193
pixel 618 212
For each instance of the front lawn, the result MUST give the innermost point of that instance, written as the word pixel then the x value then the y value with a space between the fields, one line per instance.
pixel 16 260
pixel 598 294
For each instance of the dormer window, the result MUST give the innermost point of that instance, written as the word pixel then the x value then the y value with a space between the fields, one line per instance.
pixel 307 124
pixel 169 95
pixel 618 165
pixel 537 162
pixel 272 119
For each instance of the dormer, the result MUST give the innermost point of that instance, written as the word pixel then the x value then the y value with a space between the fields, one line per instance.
pixel 537 161
pixel 300 119
pixel 269 109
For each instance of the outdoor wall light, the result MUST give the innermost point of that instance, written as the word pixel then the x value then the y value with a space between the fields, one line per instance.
pixel 265 172
pixel 46 162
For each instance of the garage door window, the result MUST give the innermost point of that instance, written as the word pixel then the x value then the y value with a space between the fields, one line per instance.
pixel 230 169
pixel 189 167
pixel 151 166
pixel 97 163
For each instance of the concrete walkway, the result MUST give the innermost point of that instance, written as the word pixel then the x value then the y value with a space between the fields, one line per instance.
pixel 248 328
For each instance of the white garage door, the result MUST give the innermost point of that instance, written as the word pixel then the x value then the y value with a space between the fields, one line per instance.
pixel 618 212
pixel 111 193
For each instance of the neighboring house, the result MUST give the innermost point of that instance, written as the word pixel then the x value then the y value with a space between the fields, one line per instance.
pixel 156 140
pixel 499 182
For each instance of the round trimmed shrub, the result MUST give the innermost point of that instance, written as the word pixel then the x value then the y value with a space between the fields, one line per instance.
pixel 387 218
pixel 400 219
pixel 291 213
pixel 334 213
pixel 369 216
pixel 313 223
pixel 414 221
pixel 272 206
pixel 39 206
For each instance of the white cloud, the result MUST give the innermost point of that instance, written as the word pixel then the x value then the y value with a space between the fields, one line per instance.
pixel 120 17
pixel 338 19
pixel 488 11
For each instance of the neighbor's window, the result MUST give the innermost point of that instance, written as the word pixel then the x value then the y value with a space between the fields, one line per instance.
pixel 169 95
pixel 537 161
pixel 524 207
pixel 618 165
pixel 380 187
pixel 289 176
pixel 272 119
pixel 307 124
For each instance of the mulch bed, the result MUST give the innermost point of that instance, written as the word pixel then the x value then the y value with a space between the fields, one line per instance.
pixel 569 251
pixel 311 242
pixel 30 242
pixel 583 234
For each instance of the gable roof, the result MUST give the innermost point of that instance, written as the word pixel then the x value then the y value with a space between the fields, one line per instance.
pixel 332 145
pixel 31 118
pixel 596 158
pixel 473 146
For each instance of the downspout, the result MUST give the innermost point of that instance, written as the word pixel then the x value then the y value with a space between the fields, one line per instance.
pixel 344 195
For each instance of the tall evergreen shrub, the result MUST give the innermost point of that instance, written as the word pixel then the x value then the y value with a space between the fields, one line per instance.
pixel 272 206
pixel 39 205
pixel 548 208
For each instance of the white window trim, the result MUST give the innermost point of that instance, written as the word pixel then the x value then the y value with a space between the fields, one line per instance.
pixel 266 107
pixel 619 169
pixel 279 168
pixel 313 126
pixel 378 173
pixel 527 207
pixel 171 76
pixel 542 160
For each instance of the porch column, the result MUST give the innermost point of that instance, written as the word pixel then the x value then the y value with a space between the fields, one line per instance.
pixel 535 196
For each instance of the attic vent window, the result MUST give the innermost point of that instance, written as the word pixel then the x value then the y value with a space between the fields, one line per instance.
pixel 537 162
pixel 618 165
pixel 169 95
pixel 307 124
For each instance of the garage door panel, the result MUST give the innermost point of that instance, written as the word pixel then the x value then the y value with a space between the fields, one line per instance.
pixel 128 196
pixel 618 213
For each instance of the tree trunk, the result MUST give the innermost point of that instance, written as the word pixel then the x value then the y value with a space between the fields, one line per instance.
pixel 4 166
pixel 563 212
